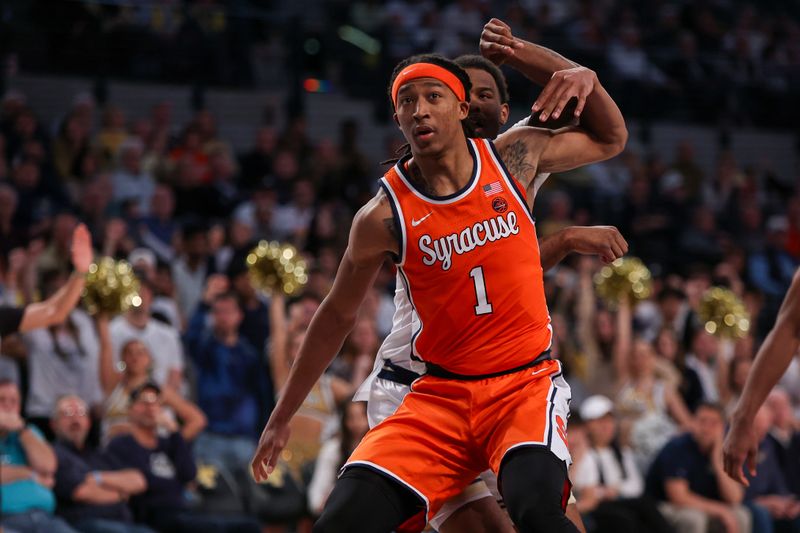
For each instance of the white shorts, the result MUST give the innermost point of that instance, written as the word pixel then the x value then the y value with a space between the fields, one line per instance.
pixel 385 397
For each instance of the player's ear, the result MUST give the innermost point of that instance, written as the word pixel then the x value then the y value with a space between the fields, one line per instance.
pixel 504 114
pixel 396 121
pixel 463 110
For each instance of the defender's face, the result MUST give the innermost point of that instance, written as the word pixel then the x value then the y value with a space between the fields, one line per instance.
pixel 487 113
pixel 429 115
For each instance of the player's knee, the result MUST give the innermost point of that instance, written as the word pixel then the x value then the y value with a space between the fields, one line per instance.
pixel 533 482
pixel 365 501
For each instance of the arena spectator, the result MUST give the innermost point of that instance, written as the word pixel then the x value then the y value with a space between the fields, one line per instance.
pixel 772 505
pixel 61 359
pixel 167 464
pixel 28 466
pixel 91 489
pixel 162 341
pixel 334 453
pixel 608 475
pixel 132 184
pixel 117 386
pixel 232 385
pixel 688 478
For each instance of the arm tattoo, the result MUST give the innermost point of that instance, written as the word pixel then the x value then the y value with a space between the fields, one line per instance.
pixel 515 156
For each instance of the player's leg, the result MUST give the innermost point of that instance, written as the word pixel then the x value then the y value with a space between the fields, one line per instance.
pixel 522 425
pixel 535 488
pixel 479 516
pixel 366 501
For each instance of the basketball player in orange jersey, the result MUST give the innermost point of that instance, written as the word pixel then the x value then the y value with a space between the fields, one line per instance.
pixel 476 509
pixel 457 223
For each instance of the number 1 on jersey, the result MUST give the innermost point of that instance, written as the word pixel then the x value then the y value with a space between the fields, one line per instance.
pixel 483 307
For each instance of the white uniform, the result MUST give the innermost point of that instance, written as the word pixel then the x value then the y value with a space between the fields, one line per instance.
pixel 385 389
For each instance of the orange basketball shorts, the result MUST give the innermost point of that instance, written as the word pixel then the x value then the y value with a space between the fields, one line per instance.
pixel 448 431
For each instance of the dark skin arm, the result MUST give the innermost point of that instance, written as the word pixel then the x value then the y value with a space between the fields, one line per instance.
pixel 370 242
pixel 771 362
pixel 529 151
pixel 604 241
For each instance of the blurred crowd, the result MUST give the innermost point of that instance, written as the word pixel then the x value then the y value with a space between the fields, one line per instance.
pixel 734 62
pixel 148 419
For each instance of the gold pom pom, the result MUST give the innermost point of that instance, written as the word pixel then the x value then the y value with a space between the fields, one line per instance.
pixel 111 287
pixel 277 267
pixel 724 314
pixel 626 278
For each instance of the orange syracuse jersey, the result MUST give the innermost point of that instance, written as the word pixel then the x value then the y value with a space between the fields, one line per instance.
pixel 470 267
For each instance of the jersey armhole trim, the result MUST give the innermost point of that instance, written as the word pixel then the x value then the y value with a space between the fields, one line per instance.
pixel 498 161
pixel 399 223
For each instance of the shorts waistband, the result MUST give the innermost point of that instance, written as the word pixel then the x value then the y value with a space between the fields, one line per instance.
pixel 439 372
pixel 398 374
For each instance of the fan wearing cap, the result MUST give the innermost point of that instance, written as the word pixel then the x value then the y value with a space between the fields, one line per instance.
pixel 456 221
pixel 168 465
pixel 607 480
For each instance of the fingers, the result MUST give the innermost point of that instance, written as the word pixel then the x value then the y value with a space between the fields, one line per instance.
pixel 496 48
pixel 581 103
pixel 752 460
pixel 560 94
pixel 260 465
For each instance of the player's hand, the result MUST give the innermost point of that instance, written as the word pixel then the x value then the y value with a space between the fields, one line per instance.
pixel 605 242
pixel 740 445
pixel 81 249
pixel 497 43
pixel 272 441
pixel 576 82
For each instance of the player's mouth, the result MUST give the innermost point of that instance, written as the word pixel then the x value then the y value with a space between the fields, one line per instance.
pixel 423 132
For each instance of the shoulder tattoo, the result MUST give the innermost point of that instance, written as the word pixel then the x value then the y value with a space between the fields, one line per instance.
pixel 515 156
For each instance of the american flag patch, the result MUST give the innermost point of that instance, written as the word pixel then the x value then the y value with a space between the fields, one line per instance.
pixel 492 189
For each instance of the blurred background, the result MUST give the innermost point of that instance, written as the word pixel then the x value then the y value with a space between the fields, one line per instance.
pixel 182 132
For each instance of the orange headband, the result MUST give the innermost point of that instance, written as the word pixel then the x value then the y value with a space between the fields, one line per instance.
pixel 428 70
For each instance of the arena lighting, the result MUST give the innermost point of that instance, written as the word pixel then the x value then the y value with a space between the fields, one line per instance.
pixel 360 39
pixel 316 85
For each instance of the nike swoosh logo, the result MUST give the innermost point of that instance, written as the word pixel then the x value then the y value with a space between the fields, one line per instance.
pixel 416 223
pixel 537 371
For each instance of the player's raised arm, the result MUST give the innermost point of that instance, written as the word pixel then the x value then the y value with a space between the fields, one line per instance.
pixel 770 364
pixel 371 238
pixel 602 133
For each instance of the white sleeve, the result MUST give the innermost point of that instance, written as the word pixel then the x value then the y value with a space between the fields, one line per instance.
pixel 586 473
pixel 324 477
pixel 633 485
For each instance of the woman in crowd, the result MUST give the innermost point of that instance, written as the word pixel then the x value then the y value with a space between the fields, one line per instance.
pixel 134 371
pixel 608 483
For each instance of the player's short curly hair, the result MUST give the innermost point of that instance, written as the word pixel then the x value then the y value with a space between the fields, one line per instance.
pixel 480 62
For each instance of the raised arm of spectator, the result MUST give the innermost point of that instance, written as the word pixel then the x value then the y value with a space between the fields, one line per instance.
pixel 216 284
pixel 193 419
pixel 677 408
pixel 110 377
pixel 623 341
pixel 603 241
pixel 278 341
pixel 55 309
pixel 771 362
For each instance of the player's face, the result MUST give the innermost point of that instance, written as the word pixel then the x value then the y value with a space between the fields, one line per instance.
pixel 429 115
pixel 486 112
